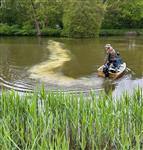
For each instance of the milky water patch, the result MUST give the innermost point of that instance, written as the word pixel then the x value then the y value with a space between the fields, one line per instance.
pixel 50 71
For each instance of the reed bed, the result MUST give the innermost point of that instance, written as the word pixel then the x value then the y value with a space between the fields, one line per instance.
pixel 59 121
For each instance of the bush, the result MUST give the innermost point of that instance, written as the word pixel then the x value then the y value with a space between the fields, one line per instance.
pixel 82 19
pixel 4 29
pixel 51 32
pixel 15 30
pixel 26 29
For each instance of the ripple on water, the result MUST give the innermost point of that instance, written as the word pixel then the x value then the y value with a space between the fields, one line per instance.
pixel 51 73
pixel 18 86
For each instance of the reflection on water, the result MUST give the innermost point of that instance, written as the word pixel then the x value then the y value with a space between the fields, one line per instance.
pixel 127 85
pixel 109 85
pixel 67 64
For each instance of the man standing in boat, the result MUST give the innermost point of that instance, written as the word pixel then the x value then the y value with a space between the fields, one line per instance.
pixel 111 58
pixel 111 54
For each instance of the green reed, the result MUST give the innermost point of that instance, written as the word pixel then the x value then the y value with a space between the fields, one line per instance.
pixel 59 121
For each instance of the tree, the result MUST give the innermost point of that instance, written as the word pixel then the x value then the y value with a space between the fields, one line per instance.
pixel 11 12
pixel 50 13
pixel 34 15
pixel 82 18
pixel 123 14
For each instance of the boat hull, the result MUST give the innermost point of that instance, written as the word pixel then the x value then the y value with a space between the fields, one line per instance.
pixel 120 72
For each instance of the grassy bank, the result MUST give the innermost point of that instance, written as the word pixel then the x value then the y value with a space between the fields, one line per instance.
pixel 120 32
pixel 27 30
pixel 62 122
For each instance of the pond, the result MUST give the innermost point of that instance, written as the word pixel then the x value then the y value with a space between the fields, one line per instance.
pixel 67 64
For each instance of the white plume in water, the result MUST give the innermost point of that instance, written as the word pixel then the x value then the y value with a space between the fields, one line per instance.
pixel 50 69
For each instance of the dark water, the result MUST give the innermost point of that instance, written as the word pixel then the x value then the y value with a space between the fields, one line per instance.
pixel 67 64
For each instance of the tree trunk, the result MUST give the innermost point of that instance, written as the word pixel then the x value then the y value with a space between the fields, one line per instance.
pixel 35 19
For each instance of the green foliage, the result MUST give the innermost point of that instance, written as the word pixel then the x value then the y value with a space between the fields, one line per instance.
pixel 8 30
pixel 16 30
pixel 65 121
pixel 82 18
pixel 12 12
pixel 27 29
pixel 123 14
pixel 50 13
pixel 120 32
pixel 76 18
pixel 51 32
pixel 4 29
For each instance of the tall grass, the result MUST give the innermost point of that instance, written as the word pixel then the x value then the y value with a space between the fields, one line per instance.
pixel 58 121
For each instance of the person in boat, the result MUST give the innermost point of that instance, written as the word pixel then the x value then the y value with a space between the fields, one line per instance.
pixel 112 58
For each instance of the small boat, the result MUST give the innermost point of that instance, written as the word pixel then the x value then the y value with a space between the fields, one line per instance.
pixel 113 73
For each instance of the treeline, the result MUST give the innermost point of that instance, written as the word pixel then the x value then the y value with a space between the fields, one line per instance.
pixel 71 18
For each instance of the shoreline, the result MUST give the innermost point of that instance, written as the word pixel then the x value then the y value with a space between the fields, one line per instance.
pixel 14 31
pixel 121 32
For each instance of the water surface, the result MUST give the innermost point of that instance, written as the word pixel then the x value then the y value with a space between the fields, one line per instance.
pixel 67 64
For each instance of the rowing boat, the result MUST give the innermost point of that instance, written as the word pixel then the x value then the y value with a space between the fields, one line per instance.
pixel 113 73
